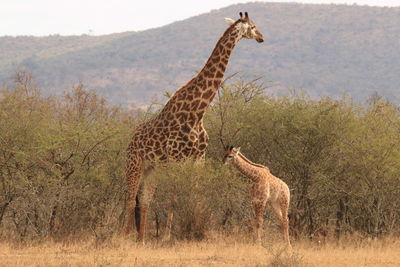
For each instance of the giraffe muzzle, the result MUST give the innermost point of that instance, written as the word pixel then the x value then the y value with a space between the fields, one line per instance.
pixel 260 39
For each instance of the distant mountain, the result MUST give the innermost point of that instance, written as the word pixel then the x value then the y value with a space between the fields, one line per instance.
pixel 323 49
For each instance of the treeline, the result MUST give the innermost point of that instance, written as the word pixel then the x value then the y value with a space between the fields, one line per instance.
pixel 62 165
pixel 341 160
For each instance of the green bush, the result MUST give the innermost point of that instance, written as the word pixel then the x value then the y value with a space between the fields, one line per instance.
pixel 204 195
pixel 62 164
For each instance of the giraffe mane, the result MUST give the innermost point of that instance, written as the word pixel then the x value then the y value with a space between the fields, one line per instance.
pixel 252 163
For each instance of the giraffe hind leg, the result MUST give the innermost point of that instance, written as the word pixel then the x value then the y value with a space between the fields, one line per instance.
pixel 280 209
pixel 133 176
pixel 147 171
pixel 137 212
pixel 145 199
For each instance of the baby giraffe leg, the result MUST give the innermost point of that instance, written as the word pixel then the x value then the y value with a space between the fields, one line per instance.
pixel 259 209
pixel 280 210
pixel 285 225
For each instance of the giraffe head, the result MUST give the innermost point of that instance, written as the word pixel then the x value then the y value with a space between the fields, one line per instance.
pixel 246 27
pixel 230 153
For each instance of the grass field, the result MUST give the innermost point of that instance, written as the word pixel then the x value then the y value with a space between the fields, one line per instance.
pixel 214 252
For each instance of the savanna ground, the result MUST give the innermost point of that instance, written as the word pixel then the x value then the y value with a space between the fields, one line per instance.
pixel 218 251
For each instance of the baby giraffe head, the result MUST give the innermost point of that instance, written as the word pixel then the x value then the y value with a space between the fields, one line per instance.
pixel 246 27
pixel 230 154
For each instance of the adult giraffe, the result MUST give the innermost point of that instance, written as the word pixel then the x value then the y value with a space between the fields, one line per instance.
pixel 177 132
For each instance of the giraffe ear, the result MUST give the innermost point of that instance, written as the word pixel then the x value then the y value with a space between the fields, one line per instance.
pixel 238 149
pixel 230 21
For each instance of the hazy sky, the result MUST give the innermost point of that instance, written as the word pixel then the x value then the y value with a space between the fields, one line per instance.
pixel 75 17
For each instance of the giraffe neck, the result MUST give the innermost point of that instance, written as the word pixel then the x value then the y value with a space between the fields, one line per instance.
pixel 210 77
pixel 215 67
pixel 197 94
pixel 247 167
pixel 252 163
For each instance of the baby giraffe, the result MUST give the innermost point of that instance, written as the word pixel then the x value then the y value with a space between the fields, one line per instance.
pixel 266 188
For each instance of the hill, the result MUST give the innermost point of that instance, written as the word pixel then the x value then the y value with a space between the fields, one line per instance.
pixel 324 49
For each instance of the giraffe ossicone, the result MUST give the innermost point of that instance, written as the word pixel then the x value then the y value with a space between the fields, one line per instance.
pixel 177 132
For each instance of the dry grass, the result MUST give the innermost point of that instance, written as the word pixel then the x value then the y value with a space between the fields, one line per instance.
pixel 216 252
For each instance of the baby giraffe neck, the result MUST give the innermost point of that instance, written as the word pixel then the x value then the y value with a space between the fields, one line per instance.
pixel 246 168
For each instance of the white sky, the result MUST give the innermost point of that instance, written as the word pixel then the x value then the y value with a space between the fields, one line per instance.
pixel 75 17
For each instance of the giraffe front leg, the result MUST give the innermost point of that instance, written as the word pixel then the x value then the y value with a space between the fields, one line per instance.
pixel 259 208
pixel 168 226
